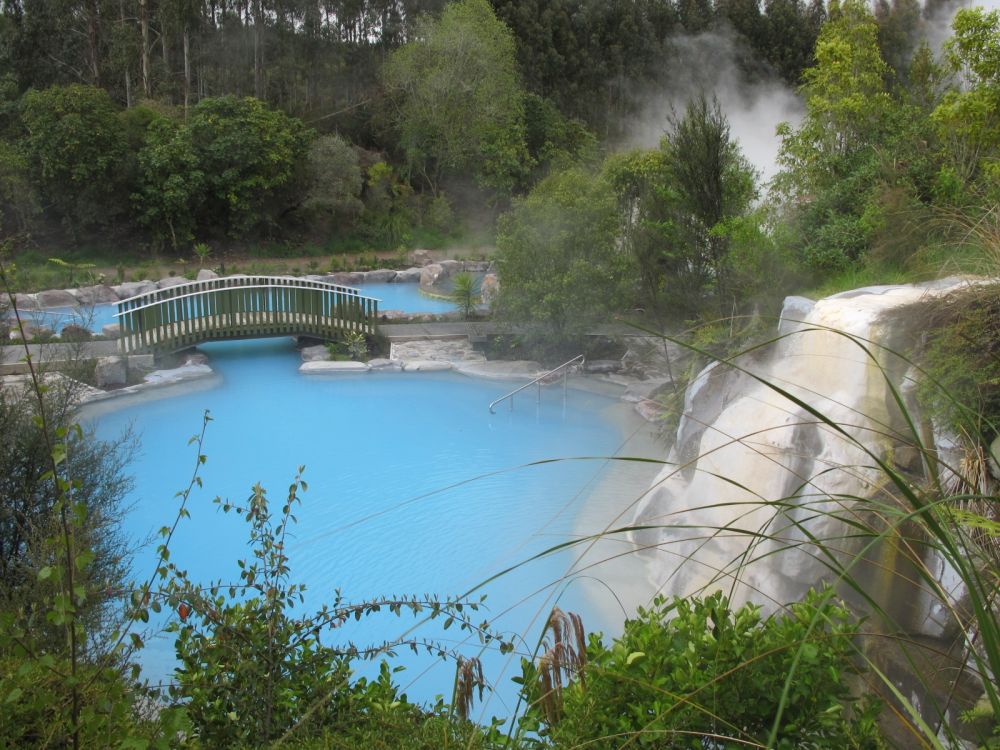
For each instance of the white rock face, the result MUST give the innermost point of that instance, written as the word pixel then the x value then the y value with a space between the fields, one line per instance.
pixel 793 312
pixel 753 474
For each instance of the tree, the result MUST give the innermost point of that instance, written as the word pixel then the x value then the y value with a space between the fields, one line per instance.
pixel 675 206
pixel 831 164
pixel 172 183
pixel 457 98
pixel 334 178
pixel 968 118
pixel 252 158
pixel 75 147
pixel 558 255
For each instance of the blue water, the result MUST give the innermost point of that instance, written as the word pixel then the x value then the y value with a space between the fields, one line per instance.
pixel 406 297
pixel 93 317
pixel 414 487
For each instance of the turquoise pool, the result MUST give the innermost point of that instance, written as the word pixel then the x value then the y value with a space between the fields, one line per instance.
pixel 414 487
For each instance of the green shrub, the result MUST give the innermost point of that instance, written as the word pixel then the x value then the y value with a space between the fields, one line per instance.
pixel 696 671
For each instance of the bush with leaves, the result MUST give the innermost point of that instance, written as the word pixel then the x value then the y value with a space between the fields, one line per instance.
pixel 698 673
pixel 251 672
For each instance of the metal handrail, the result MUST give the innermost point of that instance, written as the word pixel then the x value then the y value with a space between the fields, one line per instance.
pixel 577 358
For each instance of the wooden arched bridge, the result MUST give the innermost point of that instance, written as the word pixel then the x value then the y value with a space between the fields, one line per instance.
pixel 239 307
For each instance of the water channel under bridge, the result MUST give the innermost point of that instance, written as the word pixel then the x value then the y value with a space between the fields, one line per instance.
pixel 240 307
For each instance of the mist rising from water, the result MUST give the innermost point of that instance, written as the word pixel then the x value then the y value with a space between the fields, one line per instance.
pixel 709 63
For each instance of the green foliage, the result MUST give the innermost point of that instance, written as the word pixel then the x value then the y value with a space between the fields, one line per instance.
pixel 334 178
pixel 692 671
pixel 75 147
pixel 388 218
pixel 680 206
pixel 252 672
pixel 967 117
pixel 465 293
pixel 250 157
pixel 18 198
pixel 558 256
pixel 171 183
pixel 458 100
pixel 961 353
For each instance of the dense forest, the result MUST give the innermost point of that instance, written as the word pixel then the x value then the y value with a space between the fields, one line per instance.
pixel 141 128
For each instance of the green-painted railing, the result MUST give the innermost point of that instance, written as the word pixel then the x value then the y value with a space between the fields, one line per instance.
pixel 237 307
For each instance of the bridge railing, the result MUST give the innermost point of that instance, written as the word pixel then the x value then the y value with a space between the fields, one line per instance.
pixel 241 307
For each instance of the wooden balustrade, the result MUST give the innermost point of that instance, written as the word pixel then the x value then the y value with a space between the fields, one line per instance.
pixel 239 307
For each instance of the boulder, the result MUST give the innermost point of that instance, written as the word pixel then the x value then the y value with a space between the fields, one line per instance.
pixel 488 288
pixel 178 375
pixel 425 365
pixel 432 274
pixel 206 273
pixel 111 372
pixel 193 357
pixel 146 362
pixel 421 257
pixel 409 276
pixel 96 295
pixel 172 281
pixel 328 367
pixel 381 363
pixel 56 298
pixel 602 365
pixel 793 312
pixel 476 266
pixel 381 276
pixel 651 411
pixel 26 301
pixel 345 278
pixel 318 353
pixel 111 330
pixel 134 288
pixel 74 332
pixel 645 390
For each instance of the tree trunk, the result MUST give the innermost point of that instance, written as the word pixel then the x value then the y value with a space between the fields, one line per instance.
pixel 93 40
pixel 128 75
pixel 258 50
pixel 144 25
pixel 187 68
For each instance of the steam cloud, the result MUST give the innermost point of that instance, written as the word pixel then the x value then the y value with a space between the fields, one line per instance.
pixel 709 63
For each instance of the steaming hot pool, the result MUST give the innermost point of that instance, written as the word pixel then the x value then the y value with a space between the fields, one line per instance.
pixel 414 488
